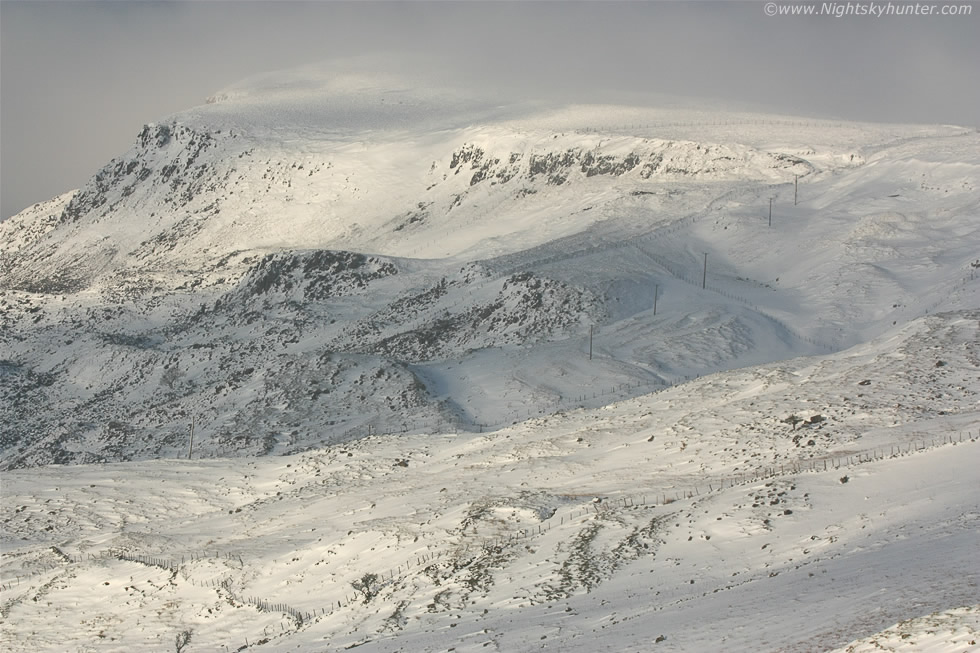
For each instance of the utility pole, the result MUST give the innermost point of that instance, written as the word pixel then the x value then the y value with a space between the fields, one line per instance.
pixel 704 276
pixel 190 447
pixel 770 211
pixel 796 188
pixel 656 291
pixel 590 342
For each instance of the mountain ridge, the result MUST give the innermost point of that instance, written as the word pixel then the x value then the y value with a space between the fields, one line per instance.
pixel 268 243
pixel 327 363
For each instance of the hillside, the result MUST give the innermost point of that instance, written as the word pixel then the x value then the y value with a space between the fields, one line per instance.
pixel 332 362
pixel 704 514
pixel 290 266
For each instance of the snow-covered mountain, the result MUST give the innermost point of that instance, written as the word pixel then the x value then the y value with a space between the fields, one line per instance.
pixel 311 259
pixel 561 377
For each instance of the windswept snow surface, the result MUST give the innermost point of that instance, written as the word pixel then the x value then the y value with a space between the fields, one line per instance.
pixel 316 256
pixel 461 373
pixel 701 514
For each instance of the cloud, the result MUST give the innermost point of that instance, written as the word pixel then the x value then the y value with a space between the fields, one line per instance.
pixel 80 78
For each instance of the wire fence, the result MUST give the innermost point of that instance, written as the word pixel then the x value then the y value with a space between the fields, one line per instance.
pixel 629 498
pixel 589 244
pixel 296 618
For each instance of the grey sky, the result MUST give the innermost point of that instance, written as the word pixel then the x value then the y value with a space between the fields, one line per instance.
pixel 79 79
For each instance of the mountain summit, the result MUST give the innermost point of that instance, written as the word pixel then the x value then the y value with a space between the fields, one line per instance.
pixel 331 362
pixel 315 256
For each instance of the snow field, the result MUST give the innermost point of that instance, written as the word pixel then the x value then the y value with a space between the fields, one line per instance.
pixel 396 290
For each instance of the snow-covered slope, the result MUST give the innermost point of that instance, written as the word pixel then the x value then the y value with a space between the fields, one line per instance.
pixel 313 257
pixel 536 377
pixel 793 507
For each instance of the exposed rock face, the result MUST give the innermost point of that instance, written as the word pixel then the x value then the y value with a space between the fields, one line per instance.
pixel 285 286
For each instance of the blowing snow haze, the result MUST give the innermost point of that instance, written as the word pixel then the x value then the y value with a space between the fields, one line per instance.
pixel 80 79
